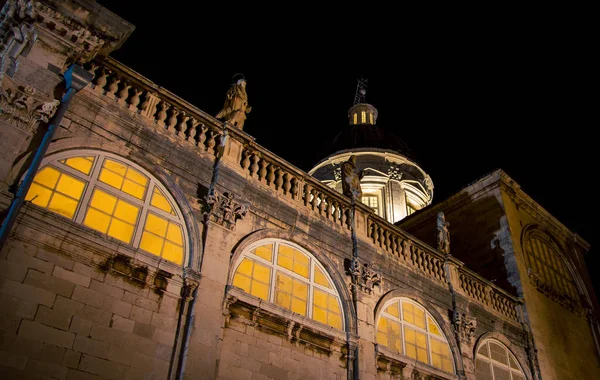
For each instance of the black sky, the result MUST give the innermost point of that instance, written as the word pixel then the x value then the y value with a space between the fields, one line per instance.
pixel 511 90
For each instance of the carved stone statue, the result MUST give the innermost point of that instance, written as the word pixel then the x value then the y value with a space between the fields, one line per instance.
pixel 443 235
pixel 236 105
pixel 351 177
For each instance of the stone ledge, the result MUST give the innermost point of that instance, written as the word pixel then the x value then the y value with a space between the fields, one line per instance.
pixel 293 327
pixel 395 363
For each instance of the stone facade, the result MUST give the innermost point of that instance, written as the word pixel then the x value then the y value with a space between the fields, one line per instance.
pixel 79 304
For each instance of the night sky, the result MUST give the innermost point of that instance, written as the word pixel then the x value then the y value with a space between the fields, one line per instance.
pixel 466 97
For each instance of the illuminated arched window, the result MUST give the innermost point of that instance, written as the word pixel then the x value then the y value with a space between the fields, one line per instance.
pixel 355 118
pixel 111 195
pixel 547 267
pixel 371 118
pixel 494 362
pixel 407 328
pixel 285 274
pixel 363 117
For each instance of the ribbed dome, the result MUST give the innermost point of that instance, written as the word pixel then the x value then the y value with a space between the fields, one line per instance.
pixel 369 136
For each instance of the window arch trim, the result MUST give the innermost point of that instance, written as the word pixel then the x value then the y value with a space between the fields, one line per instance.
pixel 428 315
pixel 277 241
pixel 154 181
pixel 504 343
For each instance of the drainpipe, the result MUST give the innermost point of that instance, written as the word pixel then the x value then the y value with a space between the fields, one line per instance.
pixel 76 78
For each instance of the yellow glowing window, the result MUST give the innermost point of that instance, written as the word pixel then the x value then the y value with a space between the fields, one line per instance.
pixel 355 118
pixel 56 191
pixel 112 199
pixel 363 117
pixel 371 118
pixel 162 237
pixel 494 360
pixel 82 164
pixel 124 178
pixel 407 328
pixel 293 279
pixel 253 278
pixel 111 215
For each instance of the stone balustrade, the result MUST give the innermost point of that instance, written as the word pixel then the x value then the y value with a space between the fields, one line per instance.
pixel 183 121
pixel 487 294
pixel 158 106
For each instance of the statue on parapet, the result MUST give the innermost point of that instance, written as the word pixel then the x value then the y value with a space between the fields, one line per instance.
pixel 236 105
pixel 351 177
pixel 443 235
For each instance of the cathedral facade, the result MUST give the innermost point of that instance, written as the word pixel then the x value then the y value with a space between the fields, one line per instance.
pixel 144 238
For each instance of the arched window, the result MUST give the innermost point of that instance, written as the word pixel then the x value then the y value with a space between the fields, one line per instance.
pixel 407 328
pixel 285 274
pixel 111 195
pixel 547 268
pixel 495 362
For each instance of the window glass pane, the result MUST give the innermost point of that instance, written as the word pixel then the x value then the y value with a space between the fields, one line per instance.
pixel 293 260
pixel 513 363
pixel 97 220
pixel 158 200
pixel 62 205
pixel 115 167
pixel 103 201
pixel 126 212
pixel 260 290
pixel 498 353
pixel 134 189
pixel 82 164
pixel 48 177
pixel 111 178
pixel 517 376
pixel 70 186
pixel 501 373
pixel 174 233
pixel 483 350
pixel 264 251
pixel 432 327
pixel 242 282
pixel 151 243
pixel 393 309
pixel 120 230
pixel 136 177
pixel 335 321
pixel 156 225
pixel 483 370
pixel 38 195
pixel 320 278
pixel 173 252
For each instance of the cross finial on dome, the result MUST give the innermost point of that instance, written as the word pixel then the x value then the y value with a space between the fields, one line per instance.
pixel 361 91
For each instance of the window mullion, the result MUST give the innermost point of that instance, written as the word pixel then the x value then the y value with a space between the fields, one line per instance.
pixel 139 227
pixel 310 289
pixel 89 190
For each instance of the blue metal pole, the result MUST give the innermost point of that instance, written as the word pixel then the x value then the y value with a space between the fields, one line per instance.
pixel 76 78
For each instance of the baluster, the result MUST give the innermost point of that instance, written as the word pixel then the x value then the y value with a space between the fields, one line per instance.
pixel 102 80
pixel 348 219
pixel 92 70
pixel 271 175
pixel 124 93
pixel 287 184
pixel 307 194
pixel 162 114
pixel 262 172
pixel 113 86
pixel 202 136
pixel 328 207
pixel 313 199
pixel 254 165
pixel 172 121
pixel 191 137
pixel 393 245
pixel 246 160
pixel 342 217
pixel 182 126
pixel 380 237
pixel 335 211
pixel 135 100
pixel 321 203
pixel 278 179
pixel 295 187
pixel 210 144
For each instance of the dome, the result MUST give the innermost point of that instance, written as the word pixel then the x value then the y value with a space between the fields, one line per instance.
pixel 363 136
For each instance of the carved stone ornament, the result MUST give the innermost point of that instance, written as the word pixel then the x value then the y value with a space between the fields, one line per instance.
pixel 223 209
pixel 394 172
pixel 364 276
pixel 21 107
pixel 85 42
pixel 464 326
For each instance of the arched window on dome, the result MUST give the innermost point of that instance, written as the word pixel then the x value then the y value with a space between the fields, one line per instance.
pixel 114 196
pixel 285 274
pixel 494 361
pixel 406 327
